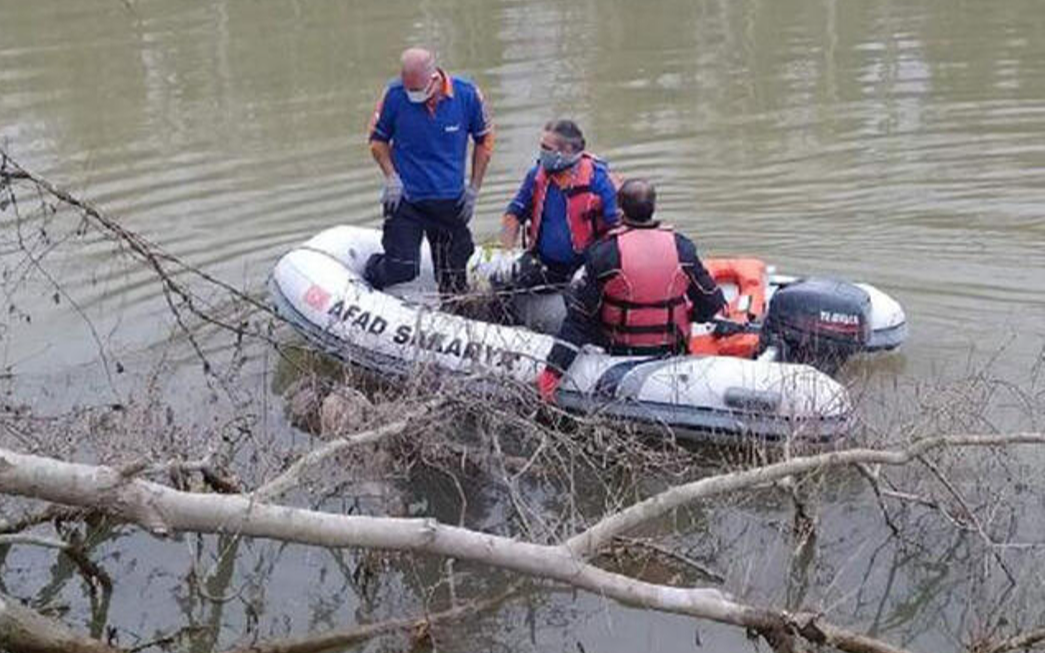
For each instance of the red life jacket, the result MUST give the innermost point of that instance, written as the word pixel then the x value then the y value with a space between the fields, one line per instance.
pixel 645 306
pixel 583 206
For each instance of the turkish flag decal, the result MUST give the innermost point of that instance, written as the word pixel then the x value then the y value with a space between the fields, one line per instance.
pixel 317 298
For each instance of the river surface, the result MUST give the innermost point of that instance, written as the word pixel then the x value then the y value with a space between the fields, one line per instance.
pixel 900 142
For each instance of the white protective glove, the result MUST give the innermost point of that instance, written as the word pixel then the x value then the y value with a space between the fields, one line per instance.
pixel 392 193
pixel 468 204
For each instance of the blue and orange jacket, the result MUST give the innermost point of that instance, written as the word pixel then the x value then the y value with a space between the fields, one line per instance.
pixel 429 140
pixel 566 211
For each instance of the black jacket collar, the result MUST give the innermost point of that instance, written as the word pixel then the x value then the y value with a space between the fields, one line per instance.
pixel 649 224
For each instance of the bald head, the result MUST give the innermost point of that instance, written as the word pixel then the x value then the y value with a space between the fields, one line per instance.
pixel 418 68
pixel 637 198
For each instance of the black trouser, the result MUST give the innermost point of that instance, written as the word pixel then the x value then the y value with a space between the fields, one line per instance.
pixel 449 238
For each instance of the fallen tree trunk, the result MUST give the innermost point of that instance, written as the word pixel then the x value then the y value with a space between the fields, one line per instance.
pixel 164 510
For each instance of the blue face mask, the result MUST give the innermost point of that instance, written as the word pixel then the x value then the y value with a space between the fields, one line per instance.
pixel 555 161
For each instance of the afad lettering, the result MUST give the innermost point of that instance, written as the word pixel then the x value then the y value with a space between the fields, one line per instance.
pixel 440 343
pixel 356 317
pixel 435 342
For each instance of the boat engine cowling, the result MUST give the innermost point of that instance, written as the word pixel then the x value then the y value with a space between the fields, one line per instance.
pixel 818 321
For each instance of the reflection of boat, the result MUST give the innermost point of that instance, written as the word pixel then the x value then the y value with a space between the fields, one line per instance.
pixel 318 288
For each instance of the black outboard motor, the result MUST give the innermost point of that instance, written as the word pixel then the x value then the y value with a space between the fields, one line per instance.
pixel 820 322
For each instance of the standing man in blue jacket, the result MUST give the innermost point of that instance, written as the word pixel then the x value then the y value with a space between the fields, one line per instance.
pixel 419 138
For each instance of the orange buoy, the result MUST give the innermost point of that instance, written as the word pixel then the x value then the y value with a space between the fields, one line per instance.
pixel 748 304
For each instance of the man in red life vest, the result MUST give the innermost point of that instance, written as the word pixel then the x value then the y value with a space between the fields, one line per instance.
pixel 643 286
pixel 567 201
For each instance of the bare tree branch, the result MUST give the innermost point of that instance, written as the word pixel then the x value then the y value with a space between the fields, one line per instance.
pixel 91 571
pixel 969 514
pixel 665 552
pixel 591 540
pixel 178 296
pixel 45 514
pixel 1024 642
pixel 356 634
pixel 291 477
pixel 26 631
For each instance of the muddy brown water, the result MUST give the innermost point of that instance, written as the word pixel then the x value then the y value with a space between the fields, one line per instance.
pixel 896 142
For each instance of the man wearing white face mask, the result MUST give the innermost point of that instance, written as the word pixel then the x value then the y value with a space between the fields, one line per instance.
pixel 568 201
pixel 419 138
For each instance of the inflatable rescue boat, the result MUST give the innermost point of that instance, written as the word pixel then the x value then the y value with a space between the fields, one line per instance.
pixel 758 377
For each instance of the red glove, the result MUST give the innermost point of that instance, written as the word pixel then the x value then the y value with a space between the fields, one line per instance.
pixel 548 383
